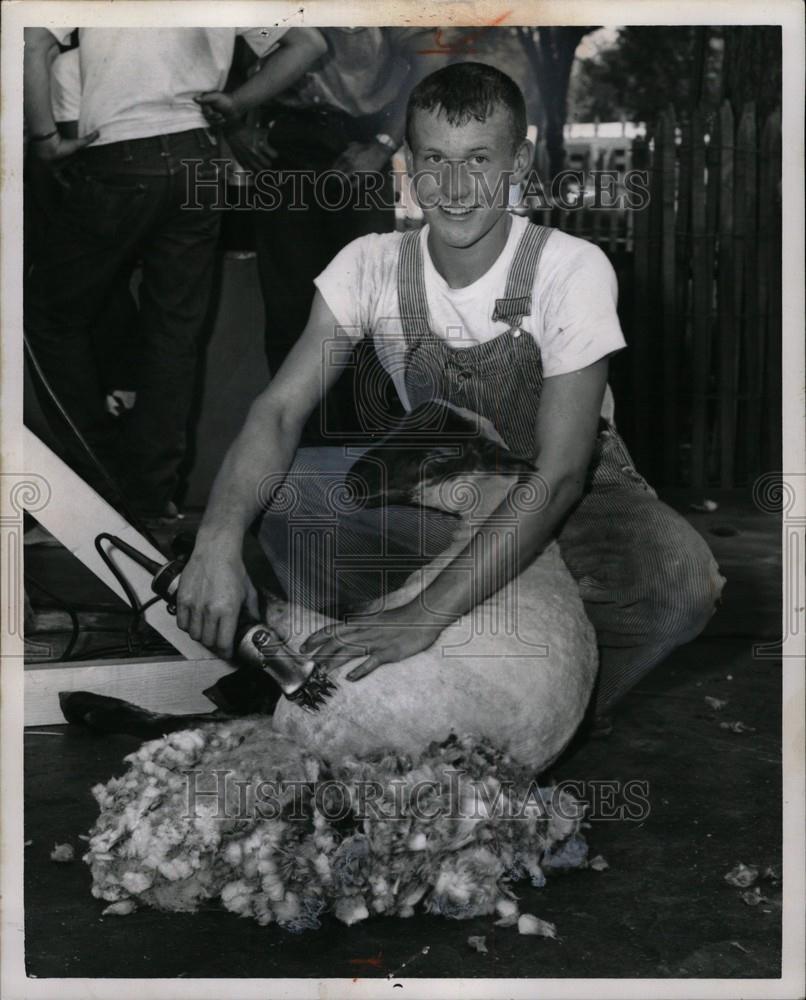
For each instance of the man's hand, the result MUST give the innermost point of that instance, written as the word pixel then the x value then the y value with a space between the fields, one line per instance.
pixel 57 149
pixel 212 591
pixel 219 108
pixel 362 157
pixel 384 637
pixel 252 148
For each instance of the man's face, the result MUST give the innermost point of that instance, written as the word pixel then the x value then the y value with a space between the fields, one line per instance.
pixel 462 173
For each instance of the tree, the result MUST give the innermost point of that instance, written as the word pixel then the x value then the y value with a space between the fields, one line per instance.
pixel 752 67
pixel 550 52
pixel 651 67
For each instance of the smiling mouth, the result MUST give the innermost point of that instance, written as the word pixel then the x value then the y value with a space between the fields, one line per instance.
pixel 457 211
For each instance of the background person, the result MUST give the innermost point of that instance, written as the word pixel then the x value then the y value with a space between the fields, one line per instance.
pixel 114 334
pixel 143 91
pixel 336 128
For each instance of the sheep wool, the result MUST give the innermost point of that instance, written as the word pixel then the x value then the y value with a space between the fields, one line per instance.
pixel 518 670
pixel 239 813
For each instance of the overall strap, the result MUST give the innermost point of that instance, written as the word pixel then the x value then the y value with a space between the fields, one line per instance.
pixel 517 300
pixel 411 294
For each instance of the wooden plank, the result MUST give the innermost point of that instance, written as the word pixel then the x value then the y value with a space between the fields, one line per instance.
pixel 766 228
pixel 75 514
pixel 670 351
pixel 161 685
pixel 771 203
pixel 725 300
pixel 578 222
pixel 712 162
pixel 613 220
pixel 682 293
pixel 595 217
pixel 766 225
pixel 702 279
pixel 713 195
pixel 752 338
pixel 641 325
pixel 653 359
pixel 739 284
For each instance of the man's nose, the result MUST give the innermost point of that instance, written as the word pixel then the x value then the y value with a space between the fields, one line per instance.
pixel 456 181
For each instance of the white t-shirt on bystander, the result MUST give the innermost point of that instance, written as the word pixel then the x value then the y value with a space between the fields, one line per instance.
pixel 139 82
pixel 573 321
pixel 65 87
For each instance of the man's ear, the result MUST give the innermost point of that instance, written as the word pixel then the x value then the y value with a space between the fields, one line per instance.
pixel 524 155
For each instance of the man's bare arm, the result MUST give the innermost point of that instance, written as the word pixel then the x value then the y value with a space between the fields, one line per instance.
pixel 214 584
pixel 566 430
pixel 297 51
pixel 41 48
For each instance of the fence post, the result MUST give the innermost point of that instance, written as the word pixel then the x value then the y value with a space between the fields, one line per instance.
pixel 725 300
pixel 751 333
pixel 683 248
pixel 702 277
pixel 770 306
pixel 670 352
pixel 641 324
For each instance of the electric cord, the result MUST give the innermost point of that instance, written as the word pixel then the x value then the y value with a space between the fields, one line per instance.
pixel 136 612
pixel 126 509
pixel 122 650
pixel 134 623
pixel 131 597
pixel 75 623
pixel 77 628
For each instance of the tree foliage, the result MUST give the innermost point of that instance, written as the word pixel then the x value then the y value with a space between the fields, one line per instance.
pixel 551 52
pixel 653 66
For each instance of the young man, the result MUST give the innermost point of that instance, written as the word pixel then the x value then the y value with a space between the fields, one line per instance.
pixel 516 323
pixel 147 95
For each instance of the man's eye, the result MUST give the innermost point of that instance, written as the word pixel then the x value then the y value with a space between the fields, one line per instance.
pixel 480 158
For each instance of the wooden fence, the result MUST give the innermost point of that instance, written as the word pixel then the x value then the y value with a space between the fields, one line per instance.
pixel 706 318
pixel 699 391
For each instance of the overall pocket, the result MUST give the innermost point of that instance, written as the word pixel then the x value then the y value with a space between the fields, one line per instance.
pixel 613 465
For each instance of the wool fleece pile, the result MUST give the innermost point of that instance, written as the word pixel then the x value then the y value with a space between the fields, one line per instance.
pixel 235 812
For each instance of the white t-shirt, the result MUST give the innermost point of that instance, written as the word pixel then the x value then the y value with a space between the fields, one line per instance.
pixel 65 87
pixel 573 320
pixel 137 82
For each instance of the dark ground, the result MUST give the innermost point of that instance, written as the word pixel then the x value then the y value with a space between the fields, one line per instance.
pixel 662 909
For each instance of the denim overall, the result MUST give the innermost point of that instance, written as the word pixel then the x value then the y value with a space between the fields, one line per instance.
pixel 647 579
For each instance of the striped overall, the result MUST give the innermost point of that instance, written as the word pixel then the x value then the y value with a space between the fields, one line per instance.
pixel 647 578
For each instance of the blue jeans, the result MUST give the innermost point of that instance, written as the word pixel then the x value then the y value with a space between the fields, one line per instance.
pixel 128 201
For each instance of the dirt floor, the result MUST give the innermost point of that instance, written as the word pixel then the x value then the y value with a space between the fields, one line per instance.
pixel 661 909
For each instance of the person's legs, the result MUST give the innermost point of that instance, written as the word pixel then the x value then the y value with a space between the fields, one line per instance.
pixel 648 579
pixel 292 249
pixel 90 241
pixel 115 338
pixel 178 268
pixel 318 214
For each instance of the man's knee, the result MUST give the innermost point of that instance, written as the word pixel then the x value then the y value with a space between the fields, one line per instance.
pixel 684 595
